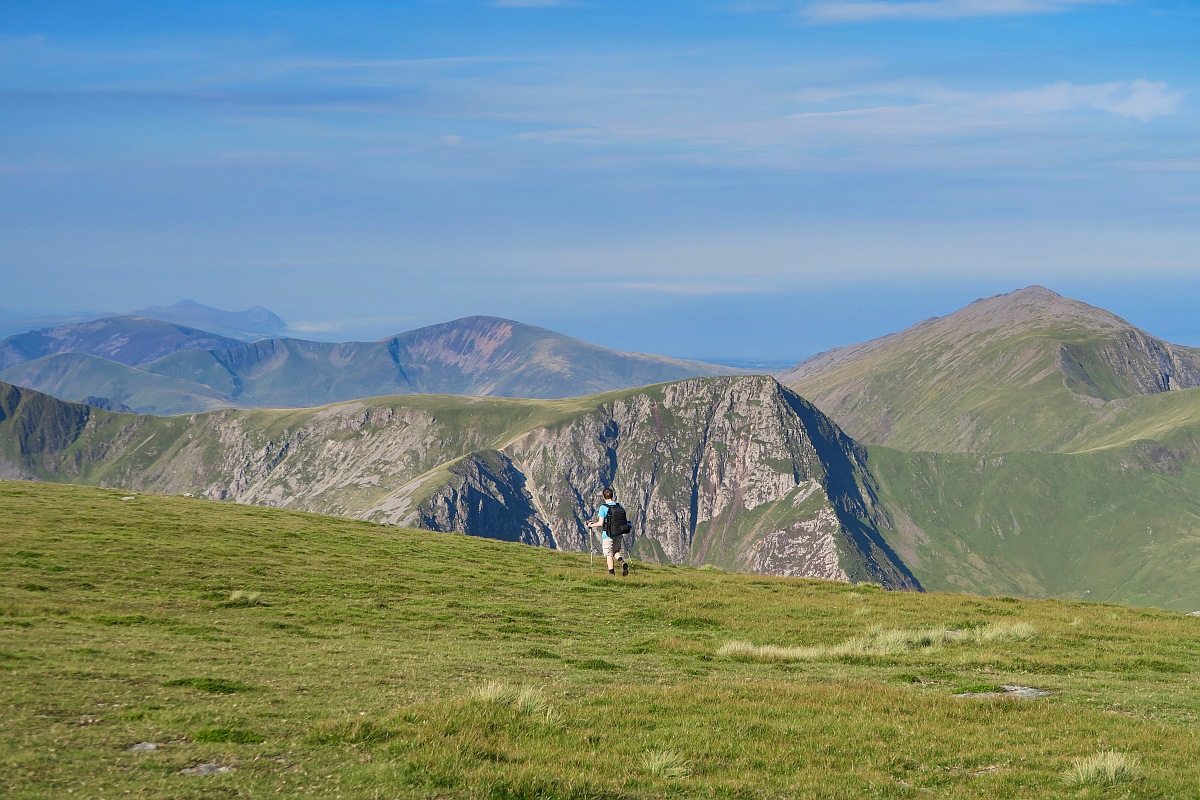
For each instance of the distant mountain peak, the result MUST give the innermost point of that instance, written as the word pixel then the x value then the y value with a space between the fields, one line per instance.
pixel 249 325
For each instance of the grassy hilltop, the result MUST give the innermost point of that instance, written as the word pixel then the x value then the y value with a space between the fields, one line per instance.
pixel 325 657
pixel 1028 370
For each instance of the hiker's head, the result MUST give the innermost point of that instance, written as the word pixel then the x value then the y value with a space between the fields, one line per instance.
pixel 608 494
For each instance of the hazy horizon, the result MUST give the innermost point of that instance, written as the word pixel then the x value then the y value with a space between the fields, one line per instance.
pixel 743 180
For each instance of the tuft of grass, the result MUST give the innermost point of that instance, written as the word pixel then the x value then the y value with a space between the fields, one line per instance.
pixel 979 688
pixel 227 736
pixel 695 623
pixel 353 730
pixel 665 764
pixel 212 685
pixel 525 699
pixel 240 599
pixel 1103 769
pixel 594 663
pixel 1000 632
pixel 540 652
pixel 880 641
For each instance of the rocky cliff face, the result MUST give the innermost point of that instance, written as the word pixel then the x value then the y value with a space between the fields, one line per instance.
pixel 740 473
pixel 736 472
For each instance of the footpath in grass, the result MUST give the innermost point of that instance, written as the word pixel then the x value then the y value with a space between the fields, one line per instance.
pixel 309 656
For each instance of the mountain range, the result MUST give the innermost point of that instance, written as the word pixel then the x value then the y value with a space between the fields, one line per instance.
pixel 248 326
pixel 734 472
pixel 484 356
pixel 1026 445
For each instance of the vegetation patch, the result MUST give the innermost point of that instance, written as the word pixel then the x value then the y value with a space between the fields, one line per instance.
pixel 665 764
pixel 227 736
pixel 1103 769
pixel 879 641
pixel 695 623
pixel 212 685
pixel 241 599
pixel 540 652
pixel 593 663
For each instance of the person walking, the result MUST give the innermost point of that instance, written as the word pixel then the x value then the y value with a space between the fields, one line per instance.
pixel 611 517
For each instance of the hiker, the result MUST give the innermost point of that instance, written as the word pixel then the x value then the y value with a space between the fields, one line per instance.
pixel 611 517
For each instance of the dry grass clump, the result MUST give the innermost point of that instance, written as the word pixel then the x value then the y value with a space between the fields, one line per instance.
pixel 240 599
pixel 525 699
pixel 665 764
pixel 1000 631
pixel 1102 769
pixel 881 641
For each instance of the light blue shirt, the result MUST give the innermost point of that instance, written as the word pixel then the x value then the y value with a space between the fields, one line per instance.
pixel 602 513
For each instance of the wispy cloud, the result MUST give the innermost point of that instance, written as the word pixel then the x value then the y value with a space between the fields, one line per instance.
pixel 856 11
pixel 1140 98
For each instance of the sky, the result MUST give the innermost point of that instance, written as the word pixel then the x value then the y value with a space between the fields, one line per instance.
pixel 754 180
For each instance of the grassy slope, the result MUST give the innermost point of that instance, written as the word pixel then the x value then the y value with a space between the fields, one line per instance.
pixel 357 671
pixel 1029 370
pixel 1010 396
pixel 72 376
pixel 1118 524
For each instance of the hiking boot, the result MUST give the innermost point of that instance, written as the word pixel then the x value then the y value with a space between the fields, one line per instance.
pixel 612 572
pixel 624 568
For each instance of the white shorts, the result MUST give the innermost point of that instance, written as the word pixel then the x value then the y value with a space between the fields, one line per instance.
pixel 610 546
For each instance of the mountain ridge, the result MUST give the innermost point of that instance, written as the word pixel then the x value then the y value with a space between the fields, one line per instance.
pixel 481 356
pixel 128 340
pixel 1028 370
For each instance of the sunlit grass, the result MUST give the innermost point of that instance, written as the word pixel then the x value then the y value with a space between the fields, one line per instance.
pixel 409 664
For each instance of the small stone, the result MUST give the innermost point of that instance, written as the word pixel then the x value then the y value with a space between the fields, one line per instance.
pixel 1194 614
pixel 1024 691
pixel 129 498
pixel 206 769
pixel 143 747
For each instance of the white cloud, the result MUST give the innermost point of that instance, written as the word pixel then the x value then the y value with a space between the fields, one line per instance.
pixel 451 140
pixel 855 11
pixel 1141 98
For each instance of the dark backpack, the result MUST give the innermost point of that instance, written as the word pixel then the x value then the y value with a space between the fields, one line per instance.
pixel 616 523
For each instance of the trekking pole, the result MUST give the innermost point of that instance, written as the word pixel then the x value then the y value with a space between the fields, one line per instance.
pixel 591 555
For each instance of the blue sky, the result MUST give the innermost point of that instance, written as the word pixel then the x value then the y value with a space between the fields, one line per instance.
pixel 723 179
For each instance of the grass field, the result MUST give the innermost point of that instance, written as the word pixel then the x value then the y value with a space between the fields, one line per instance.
pixel 322 657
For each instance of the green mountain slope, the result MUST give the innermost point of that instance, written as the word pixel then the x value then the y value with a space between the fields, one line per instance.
pixel 126 340
pixel 315 657
pixel 1119 524
pixel 736 472
pixel 73 376
pixel 1030 370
